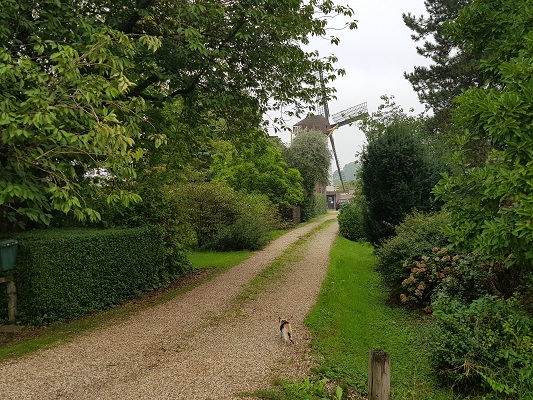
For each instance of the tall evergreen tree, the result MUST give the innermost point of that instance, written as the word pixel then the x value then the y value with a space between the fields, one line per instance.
pixel 454 67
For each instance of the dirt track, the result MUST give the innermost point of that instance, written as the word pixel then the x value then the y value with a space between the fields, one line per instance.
pixel 200 345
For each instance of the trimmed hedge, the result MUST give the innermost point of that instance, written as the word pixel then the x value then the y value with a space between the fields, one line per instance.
pixel 63 274
pixel 313 206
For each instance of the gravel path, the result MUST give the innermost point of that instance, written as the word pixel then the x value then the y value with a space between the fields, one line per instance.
pixel 200 345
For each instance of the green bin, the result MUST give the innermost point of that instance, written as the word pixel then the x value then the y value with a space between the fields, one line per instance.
pixel 8 254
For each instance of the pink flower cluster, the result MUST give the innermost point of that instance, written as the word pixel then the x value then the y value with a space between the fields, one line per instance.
pixel 425 275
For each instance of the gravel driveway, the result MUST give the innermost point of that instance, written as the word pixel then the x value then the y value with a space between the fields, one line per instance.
pixel 200 345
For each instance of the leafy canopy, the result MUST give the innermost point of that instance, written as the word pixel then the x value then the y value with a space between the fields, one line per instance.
pixel 64 111
pixel 88 88
pixel 259 168
pixel 492 203
pixel 309 154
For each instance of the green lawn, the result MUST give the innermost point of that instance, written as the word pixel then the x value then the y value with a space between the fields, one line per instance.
pixel 215 259
pixel 351 318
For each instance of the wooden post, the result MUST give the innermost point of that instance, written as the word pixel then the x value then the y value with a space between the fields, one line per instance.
pixel 379 375
pixel 11 297
pixel 12 300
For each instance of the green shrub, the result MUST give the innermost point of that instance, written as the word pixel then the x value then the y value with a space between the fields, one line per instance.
pixel 398 173
pixel 244 234
pixel 313 206
pixel 257 216
pixel 351 221
pixel 159 209
pixel 195 214
pixel 63 274
pixel 485 348
pixel 427 275
pixel 415 237
pixel 461 277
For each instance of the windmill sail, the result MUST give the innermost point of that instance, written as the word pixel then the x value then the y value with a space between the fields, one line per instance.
pixel 350 115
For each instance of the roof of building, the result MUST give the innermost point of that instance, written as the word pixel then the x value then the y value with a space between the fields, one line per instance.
pixel 315 122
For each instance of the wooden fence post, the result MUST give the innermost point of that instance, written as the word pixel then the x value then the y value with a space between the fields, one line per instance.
pixel 12 300
pixel 379 375
pixel 11 296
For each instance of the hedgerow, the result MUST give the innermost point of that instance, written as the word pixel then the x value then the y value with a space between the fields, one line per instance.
pixel 63 274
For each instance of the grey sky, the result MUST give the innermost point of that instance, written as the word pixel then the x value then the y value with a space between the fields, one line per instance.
pixel 375 56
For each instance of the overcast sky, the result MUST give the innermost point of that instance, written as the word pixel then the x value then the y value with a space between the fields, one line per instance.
pixel 375 57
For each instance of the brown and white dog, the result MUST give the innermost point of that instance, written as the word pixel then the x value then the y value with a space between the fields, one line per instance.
pixel 285 329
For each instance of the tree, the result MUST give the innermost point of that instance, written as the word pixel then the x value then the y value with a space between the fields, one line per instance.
pixel 259 168
pixel 492 203
pixel 223 64
pixel 64 111
pixel 310 155
pixel 397 174
pixel 93 86
pixel 454 67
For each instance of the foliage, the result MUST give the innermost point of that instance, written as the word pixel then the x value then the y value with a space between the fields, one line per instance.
pixel 221 67
pixel 351 220
pixel 454 66
pixel 397 175
pixel 313 206
pixel 491 203
pixel 160 209
pixel 415 237
pixel 309 154
pixel 258 168
pixel 93 86
pixel 485 347
pixel 246 233
pixel 426 276
pixel 215 212
pixel 62 274
pixel 64 112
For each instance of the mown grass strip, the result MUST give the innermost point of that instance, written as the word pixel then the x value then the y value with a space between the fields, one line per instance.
pixel 272 274
pixel 217 259
pixel 352 317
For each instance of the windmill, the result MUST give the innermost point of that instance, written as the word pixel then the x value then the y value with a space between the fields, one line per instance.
pixel 321 122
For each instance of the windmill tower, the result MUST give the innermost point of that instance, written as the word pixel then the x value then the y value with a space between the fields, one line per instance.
pixel 321 122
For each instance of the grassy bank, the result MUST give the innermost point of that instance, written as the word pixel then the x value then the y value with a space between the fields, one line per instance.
pixel 351 318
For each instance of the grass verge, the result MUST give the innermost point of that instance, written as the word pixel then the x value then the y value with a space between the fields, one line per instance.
pixel 352 317
pixel 217 259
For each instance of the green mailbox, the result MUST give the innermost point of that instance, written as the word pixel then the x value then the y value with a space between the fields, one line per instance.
pixel 8 254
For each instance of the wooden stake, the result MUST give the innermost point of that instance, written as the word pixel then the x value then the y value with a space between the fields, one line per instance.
pixel 11 297
pixel 379 375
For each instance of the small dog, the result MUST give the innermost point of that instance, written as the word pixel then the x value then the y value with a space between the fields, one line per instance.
pixel 285 329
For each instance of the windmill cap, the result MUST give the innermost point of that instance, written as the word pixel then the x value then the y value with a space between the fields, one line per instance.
pixel 315 122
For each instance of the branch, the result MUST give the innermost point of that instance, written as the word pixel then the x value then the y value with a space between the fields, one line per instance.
pixel 135 17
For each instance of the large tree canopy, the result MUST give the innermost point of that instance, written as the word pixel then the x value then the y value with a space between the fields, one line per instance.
pixel 93 86
pixel 492 202
pixel 259 168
